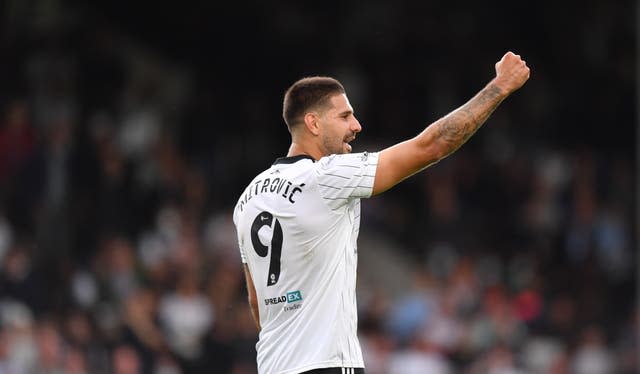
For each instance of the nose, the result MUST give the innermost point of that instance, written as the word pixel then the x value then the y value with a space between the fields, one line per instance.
pixel 355 126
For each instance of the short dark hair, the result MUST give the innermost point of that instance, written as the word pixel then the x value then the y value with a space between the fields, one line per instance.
pixel 305 94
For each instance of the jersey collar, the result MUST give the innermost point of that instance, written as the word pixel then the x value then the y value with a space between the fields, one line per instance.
pixel 292 159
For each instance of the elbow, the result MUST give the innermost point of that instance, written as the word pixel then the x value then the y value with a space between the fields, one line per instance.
pixel 435 152
pixel 432 148
pixel 442 147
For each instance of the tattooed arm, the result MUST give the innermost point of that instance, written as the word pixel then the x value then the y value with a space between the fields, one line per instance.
pixel 447 134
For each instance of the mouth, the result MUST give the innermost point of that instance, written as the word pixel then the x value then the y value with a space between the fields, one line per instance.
pixel 347 141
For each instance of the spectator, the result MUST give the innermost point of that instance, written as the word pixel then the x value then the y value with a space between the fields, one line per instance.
pixel 186 316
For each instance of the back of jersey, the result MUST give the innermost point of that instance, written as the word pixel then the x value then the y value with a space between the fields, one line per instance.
pixel 297 225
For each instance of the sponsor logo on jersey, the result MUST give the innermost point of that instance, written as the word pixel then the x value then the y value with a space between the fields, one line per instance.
pixel 290 297
pixel 294 296
pixel 292 307
pixel 275 300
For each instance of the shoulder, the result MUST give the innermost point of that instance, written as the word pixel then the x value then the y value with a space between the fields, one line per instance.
pixel 348 159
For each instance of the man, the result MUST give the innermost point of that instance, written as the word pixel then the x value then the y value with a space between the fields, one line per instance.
pixel 298 221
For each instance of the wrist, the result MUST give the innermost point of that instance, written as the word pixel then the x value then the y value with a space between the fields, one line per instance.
pixel 500 86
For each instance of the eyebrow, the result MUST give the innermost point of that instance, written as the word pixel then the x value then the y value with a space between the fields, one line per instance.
pixel 345 112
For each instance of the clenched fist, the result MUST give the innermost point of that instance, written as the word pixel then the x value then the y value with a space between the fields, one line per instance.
pixel 511 72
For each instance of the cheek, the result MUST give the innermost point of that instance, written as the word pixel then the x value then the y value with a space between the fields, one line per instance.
pixel 333 143
pixel 331 135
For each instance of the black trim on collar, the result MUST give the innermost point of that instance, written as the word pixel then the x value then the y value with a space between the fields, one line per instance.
pixel 292 159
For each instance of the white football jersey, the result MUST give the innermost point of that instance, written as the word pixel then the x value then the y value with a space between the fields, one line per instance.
pixel 297 224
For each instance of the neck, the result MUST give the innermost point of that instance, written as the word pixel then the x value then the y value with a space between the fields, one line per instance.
pixel 297 149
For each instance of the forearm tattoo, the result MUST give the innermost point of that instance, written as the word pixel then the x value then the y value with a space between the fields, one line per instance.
pixel 458 126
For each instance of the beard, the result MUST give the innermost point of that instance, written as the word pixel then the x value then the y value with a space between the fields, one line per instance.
pixel 335 146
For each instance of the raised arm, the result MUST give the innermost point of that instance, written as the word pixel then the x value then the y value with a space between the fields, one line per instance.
pixel 447 134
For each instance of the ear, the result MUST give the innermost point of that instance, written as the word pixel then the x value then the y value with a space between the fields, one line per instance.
pixel 311 122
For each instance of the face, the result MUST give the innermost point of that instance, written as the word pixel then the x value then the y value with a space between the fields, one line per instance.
pixel 338 126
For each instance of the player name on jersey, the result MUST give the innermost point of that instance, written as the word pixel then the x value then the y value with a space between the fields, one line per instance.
pixel 274 186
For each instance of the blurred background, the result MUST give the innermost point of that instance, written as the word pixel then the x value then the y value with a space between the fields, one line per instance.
pixel 129 130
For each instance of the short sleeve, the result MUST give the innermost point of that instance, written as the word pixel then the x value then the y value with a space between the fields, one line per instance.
pixel 345 177
pixel 239 236
pixel 243 258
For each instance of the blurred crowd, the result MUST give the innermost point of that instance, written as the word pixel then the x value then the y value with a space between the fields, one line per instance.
pixel 119 172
